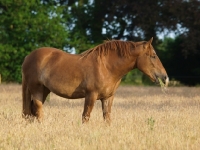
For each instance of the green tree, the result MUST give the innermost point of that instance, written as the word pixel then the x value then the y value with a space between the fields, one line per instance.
pixel 82 24
pixel 178 66
pixel 140 20
pixel 86 23
pixel 25 26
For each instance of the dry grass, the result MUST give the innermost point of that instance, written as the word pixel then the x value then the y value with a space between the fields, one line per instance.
pixel 143 118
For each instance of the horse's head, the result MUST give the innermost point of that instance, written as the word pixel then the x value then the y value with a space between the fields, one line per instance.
pixel 149 63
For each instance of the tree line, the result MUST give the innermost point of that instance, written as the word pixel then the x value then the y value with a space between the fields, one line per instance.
pixel 77 25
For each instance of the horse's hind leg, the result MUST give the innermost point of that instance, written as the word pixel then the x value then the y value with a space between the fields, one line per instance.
pixel 46 92
pixel 36 109
pixel 38 98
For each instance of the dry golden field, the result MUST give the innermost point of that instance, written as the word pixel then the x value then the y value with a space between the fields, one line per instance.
pixel 143 118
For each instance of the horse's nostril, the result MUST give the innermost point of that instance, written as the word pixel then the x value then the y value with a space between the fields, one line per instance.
pixel 165 78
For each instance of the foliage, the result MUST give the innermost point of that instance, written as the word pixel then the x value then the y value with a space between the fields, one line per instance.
pixel 25 26
pixel 141 19
pixel 87 23
pixel 81 24
pixel 180 67
pixel 133 77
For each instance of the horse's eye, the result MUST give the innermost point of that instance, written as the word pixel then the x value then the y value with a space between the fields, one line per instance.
pixel 154 56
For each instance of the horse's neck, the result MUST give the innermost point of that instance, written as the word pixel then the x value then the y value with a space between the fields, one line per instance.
pixel 119 66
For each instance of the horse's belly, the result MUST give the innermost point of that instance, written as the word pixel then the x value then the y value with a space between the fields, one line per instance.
pixel 68 91
pixel 65 85
pixel 74 95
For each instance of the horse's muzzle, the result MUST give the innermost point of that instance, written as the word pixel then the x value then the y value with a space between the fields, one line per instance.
pixel 165 80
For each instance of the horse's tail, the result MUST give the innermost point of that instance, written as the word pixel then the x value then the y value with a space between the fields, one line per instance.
pixel 26 96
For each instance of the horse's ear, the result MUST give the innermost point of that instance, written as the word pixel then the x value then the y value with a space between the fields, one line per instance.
pixel 150 41
pixel 147 44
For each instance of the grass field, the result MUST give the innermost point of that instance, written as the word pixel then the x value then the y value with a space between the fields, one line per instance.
pixel 143 118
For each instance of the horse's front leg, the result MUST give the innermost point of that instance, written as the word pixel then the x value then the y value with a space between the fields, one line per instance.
pixel 89 103
pixel 106 108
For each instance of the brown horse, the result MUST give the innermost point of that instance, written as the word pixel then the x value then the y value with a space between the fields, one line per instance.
pixel 93 75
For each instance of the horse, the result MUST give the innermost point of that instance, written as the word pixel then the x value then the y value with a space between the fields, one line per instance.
pixel 94 74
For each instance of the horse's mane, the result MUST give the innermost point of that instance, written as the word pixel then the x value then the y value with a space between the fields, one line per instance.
pixel 123 48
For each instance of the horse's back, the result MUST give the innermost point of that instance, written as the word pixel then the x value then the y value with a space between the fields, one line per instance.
pixel 46 55
pixel 40 54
